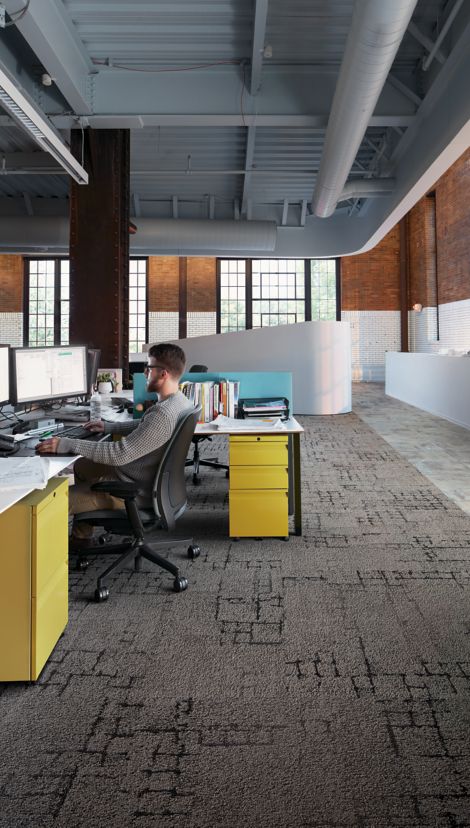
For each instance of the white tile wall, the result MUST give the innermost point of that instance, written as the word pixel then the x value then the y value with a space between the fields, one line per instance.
pixel 163 326
pixel 201 324
pixel 372 334
pixel 11 329
pixel 454 328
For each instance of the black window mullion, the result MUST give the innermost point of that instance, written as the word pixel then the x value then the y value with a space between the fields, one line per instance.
pixel 57 302
pixel 217 298
pixel 338 289
pixel 308 291
pixel 248 295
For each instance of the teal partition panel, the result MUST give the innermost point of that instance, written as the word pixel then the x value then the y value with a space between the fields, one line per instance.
pixel 252 384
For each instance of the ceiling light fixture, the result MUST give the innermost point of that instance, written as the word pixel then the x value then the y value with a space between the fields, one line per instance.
pixel 36 125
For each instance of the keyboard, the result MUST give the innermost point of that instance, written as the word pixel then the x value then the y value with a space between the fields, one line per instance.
pixel 78 432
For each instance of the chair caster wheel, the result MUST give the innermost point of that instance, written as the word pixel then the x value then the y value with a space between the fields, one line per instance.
pixel 180 584
pixel 196 481
pixel 286 538
pixel 194 552
pixel 101 595
pixel 104 538
pixel 82 564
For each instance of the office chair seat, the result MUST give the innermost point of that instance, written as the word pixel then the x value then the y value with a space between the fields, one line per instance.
pixel 195 461
pixel 169 503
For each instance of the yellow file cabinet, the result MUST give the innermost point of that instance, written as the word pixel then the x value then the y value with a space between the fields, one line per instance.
pixel 33 580
pixel 258 496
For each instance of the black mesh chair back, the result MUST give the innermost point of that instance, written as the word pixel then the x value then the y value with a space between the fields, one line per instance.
pixel 169 490
pixel 198 369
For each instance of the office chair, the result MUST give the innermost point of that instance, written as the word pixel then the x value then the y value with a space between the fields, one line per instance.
pixel 195 461
pixel 169 503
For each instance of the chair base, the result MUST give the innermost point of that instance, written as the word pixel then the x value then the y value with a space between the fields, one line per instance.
pixel 137 550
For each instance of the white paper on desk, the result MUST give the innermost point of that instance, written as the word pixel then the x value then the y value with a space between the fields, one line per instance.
pixel 24 472
pixel 250 424
pixel 111 415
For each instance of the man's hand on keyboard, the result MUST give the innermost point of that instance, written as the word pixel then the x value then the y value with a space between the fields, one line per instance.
pixel 96 426
pixel 48 446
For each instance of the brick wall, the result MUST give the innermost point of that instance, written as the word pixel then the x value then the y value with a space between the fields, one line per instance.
pixel 163 288
pixel 421 227
pixel 11 284
pixel 371 281
pixel 453 231
pixel 201 284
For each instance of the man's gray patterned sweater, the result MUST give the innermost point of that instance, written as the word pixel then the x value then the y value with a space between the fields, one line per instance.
pixel 136 456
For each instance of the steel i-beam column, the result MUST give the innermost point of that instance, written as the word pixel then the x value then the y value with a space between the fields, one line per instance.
pixel 99 246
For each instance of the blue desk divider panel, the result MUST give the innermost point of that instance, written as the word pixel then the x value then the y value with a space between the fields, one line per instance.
pixel 252 384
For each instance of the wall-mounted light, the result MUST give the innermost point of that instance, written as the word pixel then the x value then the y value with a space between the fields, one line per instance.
pixel 417 307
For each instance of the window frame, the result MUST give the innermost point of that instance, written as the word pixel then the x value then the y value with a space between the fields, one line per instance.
pixel 57 260
pixel 249 291
pixel 146 260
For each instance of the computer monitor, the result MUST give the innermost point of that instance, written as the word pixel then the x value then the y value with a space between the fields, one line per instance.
pixel 93 363
pixel 4 374
pixel 42 374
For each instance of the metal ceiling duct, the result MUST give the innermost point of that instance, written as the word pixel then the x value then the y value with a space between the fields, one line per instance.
pixel 367 188
pixel 181 235
pixel 174 236
pixel 377 29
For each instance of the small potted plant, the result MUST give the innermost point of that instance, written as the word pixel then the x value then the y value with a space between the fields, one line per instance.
pixel 105 382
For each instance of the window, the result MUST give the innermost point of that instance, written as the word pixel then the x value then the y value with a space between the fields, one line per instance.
pixel 256 293
pixel 323 288
pixel 278 290
pixel 232 295
pixel 47 302
pixel 137 304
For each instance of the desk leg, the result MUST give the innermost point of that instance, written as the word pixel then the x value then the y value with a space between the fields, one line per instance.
pixel 297 485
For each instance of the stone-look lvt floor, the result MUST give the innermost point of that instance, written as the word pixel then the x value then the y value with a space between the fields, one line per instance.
pixel 438 448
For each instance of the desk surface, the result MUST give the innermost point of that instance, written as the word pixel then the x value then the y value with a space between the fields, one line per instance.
pixel 8 497
pixel 290 426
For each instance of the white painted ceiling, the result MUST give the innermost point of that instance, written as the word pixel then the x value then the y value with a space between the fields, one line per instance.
pixel 228 103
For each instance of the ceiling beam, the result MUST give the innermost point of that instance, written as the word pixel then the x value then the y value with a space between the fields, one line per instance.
pixel 30 163
pixel 257 53
pixel 425 41
pixel 249 156
pixel 50 33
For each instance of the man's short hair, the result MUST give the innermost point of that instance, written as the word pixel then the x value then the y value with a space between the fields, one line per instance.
pixel 169 356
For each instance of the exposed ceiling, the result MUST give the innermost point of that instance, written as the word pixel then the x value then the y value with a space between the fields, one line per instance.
pixel 229 103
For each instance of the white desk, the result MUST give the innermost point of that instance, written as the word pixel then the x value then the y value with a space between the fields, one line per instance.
pixel 293 430
pixel 8 497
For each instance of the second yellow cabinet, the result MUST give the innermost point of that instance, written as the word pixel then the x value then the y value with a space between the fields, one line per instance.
pixel 33 580
pixel 258 493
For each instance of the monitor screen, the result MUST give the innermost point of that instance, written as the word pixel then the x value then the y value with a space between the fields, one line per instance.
pixel 49 373
pixel 4 374
pixel 93 363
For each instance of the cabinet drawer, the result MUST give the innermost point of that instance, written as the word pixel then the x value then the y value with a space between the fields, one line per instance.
pixel 49 619
pixel 49 536
pixel 258 477
pixel 259 452
pixel 255 513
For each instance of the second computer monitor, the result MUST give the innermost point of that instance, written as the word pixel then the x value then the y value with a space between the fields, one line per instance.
pixel 41 374
pixel 4 374
pixel 93 363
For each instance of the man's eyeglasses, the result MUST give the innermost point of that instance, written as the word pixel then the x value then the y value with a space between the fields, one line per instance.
pixel 149 367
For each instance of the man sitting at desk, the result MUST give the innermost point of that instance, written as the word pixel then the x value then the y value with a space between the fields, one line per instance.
pixel 135 457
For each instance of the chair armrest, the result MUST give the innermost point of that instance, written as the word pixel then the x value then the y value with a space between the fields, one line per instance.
pixel 117 488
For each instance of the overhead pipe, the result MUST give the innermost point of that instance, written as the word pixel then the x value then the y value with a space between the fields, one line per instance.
pixel 367 188
pixel 377 29
pixel 178 236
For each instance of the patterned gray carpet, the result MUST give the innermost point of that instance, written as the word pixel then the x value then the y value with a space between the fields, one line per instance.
pixel 319 682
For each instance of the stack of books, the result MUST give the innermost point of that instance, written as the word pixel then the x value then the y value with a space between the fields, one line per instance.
pixel 264 407
pixel 215 397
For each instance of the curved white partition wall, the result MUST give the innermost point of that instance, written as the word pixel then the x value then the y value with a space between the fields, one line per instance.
pixel 317 353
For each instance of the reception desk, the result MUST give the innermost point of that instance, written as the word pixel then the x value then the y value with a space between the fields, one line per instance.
pixel 433 382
